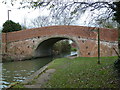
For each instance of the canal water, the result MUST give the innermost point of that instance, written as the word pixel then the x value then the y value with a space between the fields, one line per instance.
pixel 20 70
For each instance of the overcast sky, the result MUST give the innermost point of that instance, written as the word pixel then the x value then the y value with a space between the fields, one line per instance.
pixel 18 15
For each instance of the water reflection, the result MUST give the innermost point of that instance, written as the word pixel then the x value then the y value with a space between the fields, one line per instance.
pixel 0 75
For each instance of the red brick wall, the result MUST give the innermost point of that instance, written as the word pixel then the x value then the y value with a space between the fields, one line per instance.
pixel 79 31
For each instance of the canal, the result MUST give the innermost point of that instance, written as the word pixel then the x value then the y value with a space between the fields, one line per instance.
pixel 20 70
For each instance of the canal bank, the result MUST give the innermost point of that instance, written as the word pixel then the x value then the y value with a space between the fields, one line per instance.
pixel 36 80
pixel 78 72
pixel 18 71
pixel 39 78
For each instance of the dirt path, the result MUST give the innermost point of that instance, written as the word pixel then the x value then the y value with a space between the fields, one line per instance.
pixel 41 80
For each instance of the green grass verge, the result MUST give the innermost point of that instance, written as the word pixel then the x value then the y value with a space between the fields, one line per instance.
pixel 83 72
pixel 16 85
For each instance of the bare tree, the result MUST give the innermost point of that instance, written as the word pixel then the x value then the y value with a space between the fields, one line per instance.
pixel 109 23
pixel 40 21
pixel 65 19
pixel 74 8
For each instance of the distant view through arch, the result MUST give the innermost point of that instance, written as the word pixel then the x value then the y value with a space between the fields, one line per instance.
pixel 46 47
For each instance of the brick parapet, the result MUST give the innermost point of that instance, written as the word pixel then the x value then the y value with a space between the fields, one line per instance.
pixel 79 31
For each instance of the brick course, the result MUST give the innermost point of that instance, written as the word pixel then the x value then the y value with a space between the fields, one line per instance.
pixel 80 31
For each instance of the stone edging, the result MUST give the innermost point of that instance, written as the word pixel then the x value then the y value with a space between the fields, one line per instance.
pixel 32 77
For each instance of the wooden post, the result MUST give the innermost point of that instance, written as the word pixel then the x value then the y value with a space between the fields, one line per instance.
pixel 98 46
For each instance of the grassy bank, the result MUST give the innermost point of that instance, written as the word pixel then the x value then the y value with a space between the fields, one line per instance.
pixel 83 72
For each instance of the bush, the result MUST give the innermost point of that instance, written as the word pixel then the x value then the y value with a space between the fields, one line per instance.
pixel 10 26
pixel 62 47
pixel 73 49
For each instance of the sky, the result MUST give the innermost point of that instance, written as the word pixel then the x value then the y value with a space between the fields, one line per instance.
pixel 19 15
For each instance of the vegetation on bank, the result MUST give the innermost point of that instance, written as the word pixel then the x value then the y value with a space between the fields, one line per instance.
pixel 62 46
pixel 74 49
pixel 83 72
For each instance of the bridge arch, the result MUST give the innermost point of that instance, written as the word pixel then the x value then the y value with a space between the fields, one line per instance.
pixel 44 47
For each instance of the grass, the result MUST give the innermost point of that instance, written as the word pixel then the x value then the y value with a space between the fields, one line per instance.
pixel 16 85
pixel 83 72
pixel 73 49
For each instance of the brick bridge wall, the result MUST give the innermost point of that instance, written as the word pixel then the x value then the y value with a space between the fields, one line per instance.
pixel 36 42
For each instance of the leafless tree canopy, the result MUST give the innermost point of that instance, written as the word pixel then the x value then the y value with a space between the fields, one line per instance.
pixel 74 8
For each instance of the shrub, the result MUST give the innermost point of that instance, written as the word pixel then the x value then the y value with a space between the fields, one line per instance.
pixel 10 26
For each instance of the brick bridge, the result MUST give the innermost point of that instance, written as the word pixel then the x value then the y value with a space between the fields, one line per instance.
pixel 38 42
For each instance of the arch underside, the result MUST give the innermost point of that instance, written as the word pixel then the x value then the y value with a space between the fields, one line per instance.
pixel 45 47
